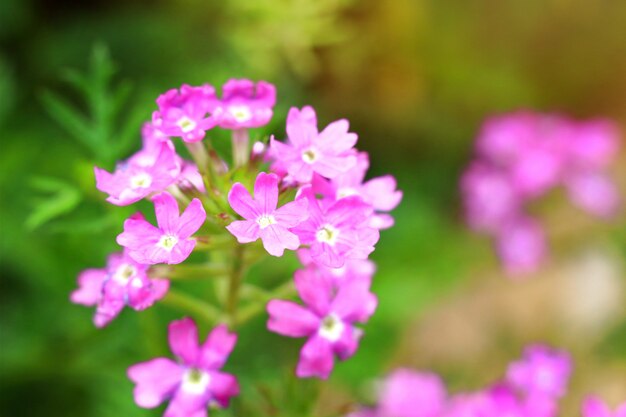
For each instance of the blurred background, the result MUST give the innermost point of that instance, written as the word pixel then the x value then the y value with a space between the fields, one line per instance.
pixel 414 77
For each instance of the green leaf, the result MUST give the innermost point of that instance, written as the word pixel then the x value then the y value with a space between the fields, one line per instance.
pixel 63 199
pixel 69 118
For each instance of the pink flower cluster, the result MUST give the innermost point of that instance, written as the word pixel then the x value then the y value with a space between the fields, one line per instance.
pixel 531 387
pixel 328 212
pixel 337 216
pixel 522 156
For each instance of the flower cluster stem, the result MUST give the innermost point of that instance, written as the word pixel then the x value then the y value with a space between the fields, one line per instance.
pixel 235 282
pixel 241 147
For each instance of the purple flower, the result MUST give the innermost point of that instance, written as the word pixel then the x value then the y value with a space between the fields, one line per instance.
pixel 595 407
pixel 171 242
pixel 489 198
pixel 244 104
pixel 263 219
pixel 143 174
pixel 192 382
pixel 123 282
pixel 184 112
pixel 326 320
pixel 594 193
pixel 541 371
pixel 328 153
pixel 337 232
pixel 521 245
pixel 406 393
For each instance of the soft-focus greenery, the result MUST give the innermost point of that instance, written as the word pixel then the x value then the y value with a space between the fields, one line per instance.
pixel 415 78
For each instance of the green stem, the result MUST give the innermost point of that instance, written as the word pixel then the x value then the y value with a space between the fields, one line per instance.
pixel 284 290
pixel 235 283
pixel 209 270
pixel 192 305
pixel 241 147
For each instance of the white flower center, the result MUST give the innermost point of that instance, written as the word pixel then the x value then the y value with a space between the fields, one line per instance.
pixel 331 328
pixel 346 192
pixel 124 272
pixel 327 234
pixel 168 242
pixel 186 124
pixel 310 155
pixel 141 180
pixel 265 220
pixel 195 381
pixel 240 113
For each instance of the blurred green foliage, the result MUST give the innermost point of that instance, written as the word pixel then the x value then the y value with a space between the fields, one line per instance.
pixel 415 78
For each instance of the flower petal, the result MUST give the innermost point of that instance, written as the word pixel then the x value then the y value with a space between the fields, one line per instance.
pixel 316 358
pixel 155 381
pixel 241 201
pixel 223 386
pixel 217 348
pixel 245 231
pixel 290 319
pixel 191 220
pixel 89 287
pixel 354 301
pixel 266 192
pixel 166 210
pixel 293 213
pixel 276 239
pixel 183 340
pixel 314 289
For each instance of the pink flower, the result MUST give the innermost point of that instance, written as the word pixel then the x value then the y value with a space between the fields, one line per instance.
pixel 521 245
pixel 337 232
pixel 245 104
pixel 192 382
pixel 593 145
pixel 184 112
pixel 380 193
pixel 326 320
pixel 328 153
pixel 141 176
pixel 541 371
pixel 595 407
pixel 262 218
pixel 352 269
pixel 489 197
pixel 123 282
pixel 593 192
pixel 406 393
pixel 171 242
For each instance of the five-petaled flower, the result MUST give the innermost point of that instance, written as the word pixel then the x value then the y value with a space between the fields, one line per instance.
pixel 244 104
pixel 195 380
pixel 169 243
pixel 327 319
pixel 123 282
pixel 328 153
pixel 262 218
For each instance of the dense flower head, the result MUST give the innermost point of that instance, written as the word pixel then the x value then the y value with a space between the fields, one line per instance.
pixel 123 282
pixel 541 370
pixel 147 172
pixel 522 156
pixel 595 407
pixel 171 241
pixel 185 112
pixel 327 319
pixel 531 388
pixel 244 104
pixel 328 153
pixel 262 217
pixel 192 382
